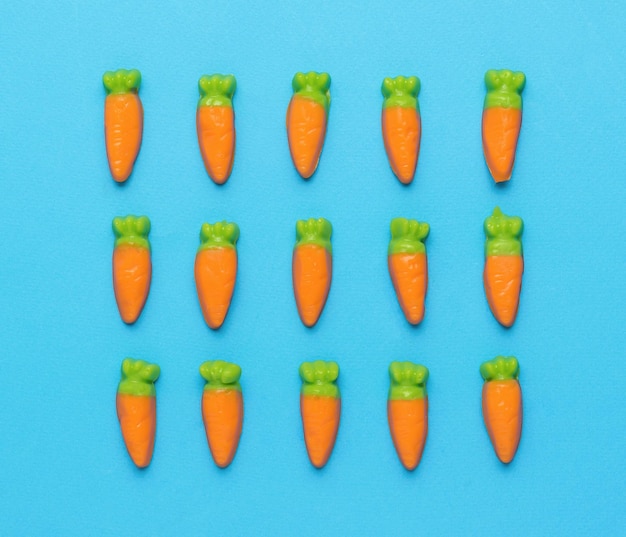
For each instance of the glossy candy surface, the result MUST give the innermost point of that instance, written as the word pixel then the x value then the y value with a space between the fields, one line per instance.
pixel 320 407
pixel 136 409
pixel 502 121
pixel 123 121
pixel 502 405
pixel 504 265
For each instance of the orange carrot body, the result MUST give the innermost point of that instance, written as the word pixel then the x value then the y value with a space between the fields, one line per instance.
pixel 306 130
pixel 502 279
pixel 408 422
pixel 408 266
pixel 123 121
pixel 132 273
pixel 502 121
pixel 222 409
pixel 502 412
pixel 312 275
pixel 502 405
pixel 123 128
pixel 216 135
pixel 501 128
pixel 215 125
pixel 136 409
pixel 409 274
pixel 320 419
pixel 307 116
pixel 137 416
pixel 504 265
pixel 215 273
pixel 216 270
pixel 402 130
pixel 222 413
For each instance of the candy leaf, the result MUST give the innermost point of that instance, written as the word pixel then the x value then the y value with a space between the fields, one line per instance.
pixel 401 91
pixel 504 88
pixel 500 368
pixel 408 380
pixel 314 86
pixel 121 81
pixel 132 230
pixel 314 231
pixel 217 90
pixel 319 378
pixel 219 235
pixel 407 236
pixel 221 375
pixel 503 234
pixel 138 378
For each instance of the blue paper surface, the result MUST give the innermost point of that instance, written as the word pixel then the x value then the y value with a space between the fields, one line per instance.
pixel 63 466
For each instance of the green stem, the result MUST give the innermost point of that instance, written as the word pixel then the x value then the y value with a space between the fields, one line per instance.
pixel 319 378
pixel 221 375
pixel 121 81
pixel 401 91
pixel 408 381
pixel 407 236
pixel 503 234
pixel 217 90
pixel 500 368
pixel 314 86
pixel 504 89
pixel 138 378
pixel 132 230
pixel 314 231
pixel 219 235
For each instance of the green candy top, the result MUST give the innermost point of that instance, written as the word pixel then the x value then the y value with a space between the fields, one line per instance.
pixel 221 375
pixel 408 381
pixel 314 231
pixel 121 81
pixel 500 368
pixel 138 378
pixel 401 91
pixel 132 230
pixel 319 377
pixel 503 234
pixel 407 236
pixel 314 86
pixel 220 235
pixel 217 90
pixel 504 88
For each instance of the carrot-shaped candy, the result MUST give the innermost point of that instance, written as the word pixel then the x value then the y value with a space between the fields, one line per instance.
pixel 222 409
pixel 402 125
pixel 502 120
pixel 504 265
pixel 215 123
pixel 502 405
pixel 136 409
pixel 312 267
pixel 123 121
pixel 320 406
pixel 307 116
pixel 216 270
pixel 132 267
pixel 407 411
pixel 408 266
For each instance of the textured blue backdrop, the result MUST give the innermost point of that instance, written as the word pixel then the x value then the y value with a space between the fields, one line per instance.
pixel 63 466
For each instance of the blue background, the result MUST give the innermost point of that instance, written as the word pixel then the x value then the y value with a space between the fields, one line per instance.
pixel 63 466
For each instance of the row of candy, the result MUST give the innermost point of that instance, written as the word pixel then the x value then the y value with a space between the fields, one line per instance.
pixel 307 118
pixel 320 407
pixel 216 267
